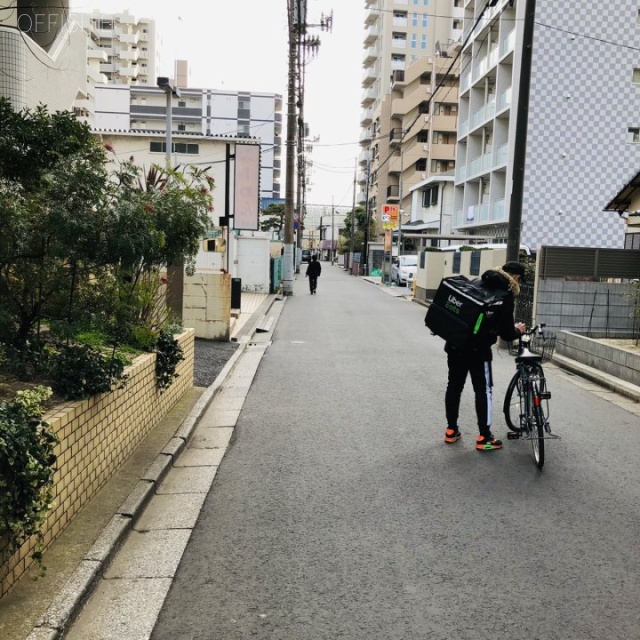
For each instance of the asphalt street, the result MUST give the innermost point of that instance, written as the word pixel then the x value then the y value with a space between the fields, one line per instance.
pixel 337 510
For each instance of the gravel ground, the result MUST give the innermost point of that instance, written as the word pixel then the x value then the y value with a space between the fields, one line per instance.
pixel 210 358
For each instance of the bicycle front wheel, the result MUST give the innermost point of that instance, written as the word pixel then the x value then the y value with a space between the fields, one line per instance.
pixel 512 408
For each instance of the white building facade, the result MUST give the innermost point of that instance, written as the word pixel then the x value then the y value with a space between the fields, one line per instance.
pixel 127 42
pixel 583 131
pixel 200 112
pixel 43 57
pixel 409 99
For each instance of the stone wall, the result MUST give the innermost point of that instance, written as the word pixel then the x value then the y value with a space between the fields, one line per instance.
pixel 96 437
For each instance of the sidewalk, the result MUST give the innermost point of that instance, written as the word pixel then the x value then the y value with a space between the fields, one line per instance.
pixel 39 608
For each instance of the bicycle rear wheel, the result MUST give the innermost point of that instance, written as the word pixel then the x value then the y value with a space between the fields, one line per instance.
pixel 537 426
pixel 512 408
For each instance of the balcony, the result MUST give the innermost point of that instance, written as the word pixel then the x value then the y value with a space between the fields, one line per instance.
pixel 393 193
pixel 369 97
pixel 133 55
pixel 365 136
pixel 369 76
pixel 366 118
pixel 373 13
pixel 508 43
pixel 371 55
pixel 372 34
pixel 480 215
pixel 130 38
pixel 397 78
pixel 395 136
pixel 447 124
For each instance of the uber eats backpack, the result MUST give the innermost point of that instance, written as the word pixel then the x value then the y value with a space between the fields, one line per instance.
pixel 463 310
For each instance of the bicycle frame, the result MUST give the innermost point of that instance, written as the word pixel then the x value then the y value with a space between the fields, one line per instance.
pixel 529 383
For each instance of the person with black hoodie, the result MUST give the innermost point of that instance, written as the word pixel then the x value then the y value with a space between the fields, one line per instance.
pixel 475 358
pixel 313 273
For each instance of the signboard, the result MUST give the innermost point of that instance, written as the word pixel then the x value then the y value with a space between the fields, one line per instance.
pixel 390 213
pixel 246 196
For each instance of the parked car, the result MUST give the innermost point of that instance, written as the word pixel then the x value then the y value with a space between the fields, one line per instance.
pixel 306 255
pixel 403 269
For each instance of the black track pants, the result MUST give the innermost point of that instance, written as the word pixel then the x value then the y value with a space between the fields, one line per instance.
pixel 461 364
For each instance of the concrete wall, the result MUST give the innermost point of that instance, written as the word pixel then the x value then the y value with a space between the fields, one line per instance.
pixel 622 364
pixel 96 438
pixel 596 309
pixel 206 304
pixel 435 265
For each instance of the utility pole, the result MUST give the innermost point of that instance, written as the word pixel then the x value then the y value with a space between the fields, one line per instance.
pixel 287 276
pixel 365 251
pixel 333 246
pixel 353 217
pixel 297 18
pixel 520 145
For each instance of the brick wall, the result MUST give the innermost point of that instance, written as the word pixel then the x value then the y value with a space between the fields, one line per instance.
pixel 96 437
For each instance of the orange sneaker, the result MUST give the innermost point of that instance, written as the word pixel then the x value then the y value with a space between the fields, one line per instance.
pixel 451 436
pixel 488 443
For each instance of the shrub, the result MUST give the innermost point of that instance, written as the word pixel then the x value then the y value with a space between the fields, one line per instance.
pixel 27 465
pixel 79 371
pixel 169 354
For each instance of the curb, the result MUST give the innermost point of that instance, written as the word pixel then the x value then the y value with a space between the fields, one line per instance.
pixel 80 585
pixel 605 380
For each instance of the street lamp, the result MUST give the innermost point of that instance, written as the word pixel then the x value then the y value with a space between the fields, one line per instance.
pixel 172 92
pixel 175 273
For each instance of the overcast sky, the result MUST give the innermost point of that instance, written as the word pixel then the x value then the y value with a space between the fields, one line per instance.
pixel 242 46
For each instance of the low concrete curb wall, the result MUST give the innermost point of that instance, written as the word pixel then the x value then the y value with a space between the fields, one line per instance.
pixel 622 364
pixel 97 436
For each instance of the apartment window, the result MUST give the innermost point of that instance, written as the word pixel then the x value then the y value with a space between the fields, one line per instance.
pixel 423 42
pixel 425 19
pixel 414 40
pixel 474 267
pixel 636 76
pixel 430 196
pixel 458 3
pixel 425 78
pixel 632 241
pixel 177 147
pixel 423 107
pixel 414 19
pixel 244 104
pixel 457 24
pixel 182 127
pixel 423 136
pixel 421 165
pixel 243 129
pixel 633 136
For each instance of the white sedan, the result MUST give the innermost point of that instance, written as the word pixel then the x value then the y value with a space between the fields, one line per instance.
pixel 403 270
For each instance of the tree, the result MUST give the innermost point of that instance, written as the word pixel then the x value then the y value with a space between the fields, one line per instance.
pixel 78 244
pixel 272 218
pixel 354 225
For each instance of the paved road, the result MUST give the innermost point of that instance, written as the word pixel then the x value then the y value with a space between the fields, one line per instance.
pixel 338 512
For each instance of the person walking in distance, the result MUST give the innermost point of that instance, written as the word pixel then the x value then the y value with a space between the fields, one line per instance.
pixel 313 273
pixel 475 358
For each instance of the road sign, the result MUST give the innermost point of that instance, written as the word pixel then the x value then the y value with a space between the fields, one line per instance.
pixel 390 213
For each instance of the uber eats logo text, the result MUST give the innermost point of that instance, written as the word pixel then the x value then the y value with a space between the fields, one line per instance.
pixel 453 304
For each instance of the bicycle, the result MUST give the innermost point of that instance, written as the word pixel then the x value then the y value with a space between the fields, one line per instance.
pixel 526 402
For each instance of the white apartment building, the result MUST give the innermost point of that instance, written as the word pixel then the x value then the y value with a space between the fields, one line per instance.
pixel 43 57
pixel 202 112
pixel 583 131
pixel 125 45
pixel 409 48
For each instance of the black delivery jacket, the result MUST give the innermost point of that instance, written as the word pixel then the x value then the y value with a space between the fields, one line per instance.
pixel 498 281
